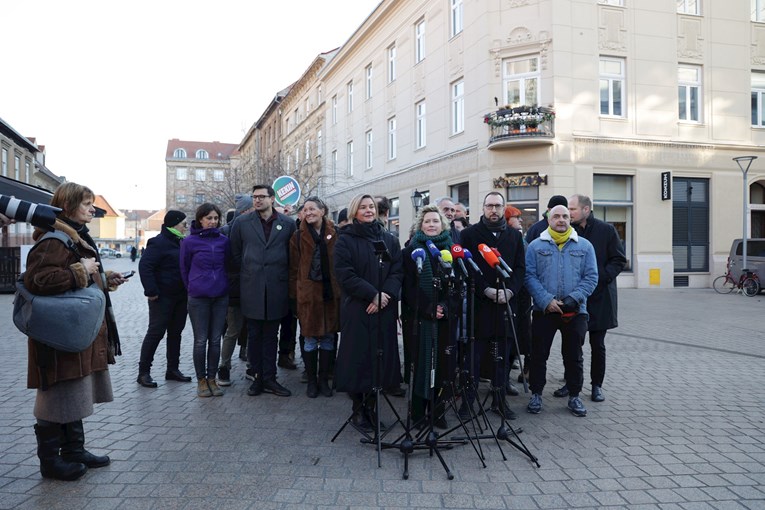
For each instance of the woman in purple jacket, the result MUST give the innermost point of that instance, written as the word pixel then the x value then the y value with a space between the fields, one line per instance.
pixel 205 257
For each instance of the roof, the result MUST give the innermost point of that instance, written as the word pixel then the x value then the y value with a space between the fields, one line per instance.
pixel 215 150
pixel 8 131
pixel 101 202
pixel 138 214
pixel 24 191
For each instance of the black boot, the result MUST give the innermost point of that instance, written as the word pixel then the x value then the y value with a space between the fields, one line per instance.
pixel 285 361
pixel 359 419
pixel 325 362
pixel 52 465
pixel 73 446
pixel 309 358
pixel 371 410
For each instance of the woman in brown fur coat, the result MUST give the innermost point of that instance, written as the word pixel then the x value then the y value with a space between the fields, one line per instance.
pixel 313 286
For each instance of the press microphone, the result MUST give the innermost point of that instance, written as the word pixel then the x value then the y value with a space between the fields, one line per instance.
pixel 491 259
pixel 458 255
pixel 469 258
pixel 446 257
pixel 502 261
pixel 432 249
pixel 418 255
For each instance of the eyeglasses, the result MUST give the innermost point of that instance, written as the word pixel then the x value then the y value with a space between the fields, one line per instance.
pixel 259 197
pixel 493 206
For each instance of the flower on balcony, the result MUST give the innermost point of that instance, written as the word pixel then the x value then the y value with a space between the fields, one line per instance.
pixel 529 116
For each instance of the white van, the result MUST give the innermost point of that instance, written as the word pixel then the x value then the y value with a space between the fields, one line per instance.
pixel 755 257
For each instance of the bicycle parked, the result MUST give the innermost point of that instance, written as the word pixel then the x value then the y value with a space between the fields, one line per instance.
pixel 748 283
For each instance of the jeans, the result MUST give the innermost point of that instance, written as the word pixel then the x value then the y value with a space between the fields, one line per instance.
pixel 324 342
pixel 208 318
pixel 262 344
pixel 543 329
pixel 166 315
pixel 234 319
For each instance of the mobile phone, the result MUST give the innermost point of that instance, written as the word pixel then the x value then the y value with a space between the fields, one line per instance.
pixel 128 274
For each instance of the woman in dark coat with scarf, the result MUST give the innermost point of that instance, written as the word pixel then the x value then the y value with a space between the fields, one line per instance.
pixel 68 384
pixel 356 269
pixel 418 306
pixel 314 288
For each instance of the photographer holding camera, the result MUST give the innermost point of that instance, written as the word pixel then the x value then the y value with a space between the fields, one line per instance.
pixel 5 221
pixel 561 272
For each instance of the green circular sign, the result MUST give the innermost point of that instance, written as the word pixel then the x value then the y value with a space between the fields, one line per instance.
pixel 287 190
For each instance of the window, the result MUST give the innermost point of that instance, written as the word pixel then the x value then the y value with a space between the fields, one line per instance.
pixel 318 143
pixel 391 138
pixel 180 174
pixel 334 110
pixel 180 198
pixel 612 2
pixel 758 10
pixel 307 106
pixel 458 107
pixel 456 18
pixel 179 153
pixel 297 157
pixel 349 158
pixel 218 175
pixel 369 153
pixel 689 92
pixel 5 162
pixel 758 99
pixel 393 217
pixel 349 88
pixel 287 124
pixel 368 74
pixel 27 168
pixel 521 81
pixel 689 6
pixel 612 87
pixel 16 167
pixel 690 224
pixel 199 198
pixel 419 41
pixel 289 162
pixel 333 165
pixel 318 95
pixel 200 174
pixel 307 150
pixel 419 131
pixel 202 154
pixel 391 63
pixel 612 203
pixel 525 198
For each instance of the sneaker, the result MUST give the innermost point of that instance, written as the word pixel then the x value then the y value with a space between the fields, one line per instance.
pixel 271 386
pixel 576 407
pixel 597 394
pixel 214 388
pixel 535 404
pixel 224 376
pixel 250 374
pixel 561 392
pixel 203 390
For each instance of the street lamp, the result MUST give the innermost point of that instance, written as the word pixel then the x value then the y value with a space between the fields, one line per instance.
pixel 416 201
pixel 745 160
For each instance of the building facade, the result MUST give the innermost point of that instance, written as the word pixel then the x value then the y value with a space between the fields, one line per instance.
pixel 640 105
pixel 199 172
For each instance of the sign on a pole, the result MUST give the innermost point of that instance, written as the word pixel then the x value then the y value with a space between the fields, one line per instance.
pixel 287 190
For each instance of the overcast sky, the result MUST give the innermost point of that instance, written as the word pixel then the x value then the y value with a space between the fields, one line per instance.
pixel 103 85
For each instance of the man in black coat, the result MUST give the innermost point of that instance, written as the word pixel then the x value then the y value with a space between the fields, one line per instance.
pixel 601 305
pixel 491 321
pixel 537 228
pixel 160 272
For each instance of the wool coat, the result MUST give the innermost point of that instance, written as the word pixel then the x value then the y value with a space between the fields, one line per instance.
pixel 317 317
pixel 160 268
pixel 263 265
pixel 609 252
pixel 356 269
pixel 488 314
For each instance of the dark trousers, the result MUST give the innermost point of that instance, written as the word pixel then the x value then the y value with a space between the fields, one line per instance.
pixel 262 342
pixel 598 364
pixel 543 329
pixel 287 333
pixel 166 314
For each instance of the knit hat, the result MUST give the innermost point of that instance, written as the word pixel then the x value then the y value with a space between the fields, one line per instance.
pixel 173 217
pixel 342 215
pixel 243 203
pixel 557 200
pixel 511 212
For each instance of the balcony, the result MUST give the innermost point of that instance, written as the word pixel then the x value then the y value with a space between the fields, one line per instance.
pixel 521 126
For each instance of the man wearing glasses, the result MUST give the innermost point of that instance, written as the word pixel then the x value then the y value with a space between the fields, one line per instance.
pixel 491 298
pixel 260 247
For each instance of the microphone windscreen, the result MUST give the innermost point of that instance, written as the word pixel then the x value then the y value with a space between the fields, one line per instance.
pixel 419 253
pixel 458 252
pixel 467 253
pixel 488 255
pixel 432 249
pixel 446 256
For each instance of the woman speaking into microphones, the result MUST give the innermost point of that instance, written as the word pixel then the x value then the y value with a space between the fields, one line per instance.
pixel 428 310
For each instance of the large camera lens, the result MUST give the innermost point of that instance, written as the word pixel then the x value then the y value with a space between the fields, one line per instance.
pixel 40 215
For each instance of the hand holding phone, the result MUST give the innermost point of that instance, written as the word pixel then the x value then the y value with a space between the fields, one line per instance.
pixel 127 274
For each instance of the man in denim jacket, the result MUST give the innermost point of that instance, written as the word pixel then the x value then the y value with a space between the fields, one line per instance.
pixel 561 272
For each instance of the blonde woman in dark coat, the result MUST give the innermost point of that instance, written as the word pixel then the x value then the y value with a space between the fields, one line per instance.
pixel 68 384
pixel 314 288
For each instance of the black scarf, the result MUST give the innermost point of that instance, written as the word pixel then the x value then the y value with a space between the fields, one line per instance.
pixel 493 227
pixel 320 245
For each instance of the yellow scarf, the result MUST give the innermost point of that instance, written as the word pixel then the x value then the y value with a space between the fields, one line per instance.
pixel 558 238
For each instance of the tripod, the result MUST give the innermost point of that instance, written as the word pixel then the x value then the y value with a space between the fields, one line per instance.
pixel 382 254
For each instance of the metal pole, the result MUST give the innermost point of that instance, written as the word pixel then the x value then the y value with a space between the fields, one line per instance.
pixel 740 161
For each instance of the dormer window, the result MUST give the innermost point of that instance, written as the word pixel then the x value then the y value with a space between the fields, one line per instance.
pixel 202 154
pixel 179 153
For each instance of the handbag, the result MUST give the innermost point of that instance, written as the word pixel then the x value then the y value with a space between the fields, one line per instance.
pixel 66 322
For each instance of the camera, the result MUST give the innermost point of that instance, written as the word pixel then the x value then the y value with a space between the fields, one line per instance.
pixel 40 215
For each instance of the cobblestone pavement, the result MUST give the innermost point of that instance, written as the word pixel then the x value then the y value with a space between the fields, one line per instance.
pixel 682 427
